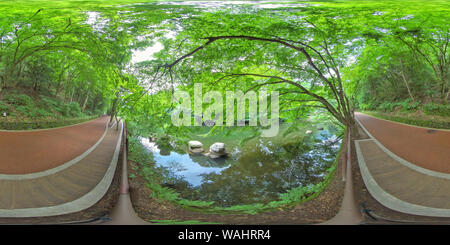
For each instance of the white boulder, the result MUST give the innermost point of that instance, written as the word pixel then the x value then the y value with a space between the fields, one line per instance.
pixel 195 146
pixel 217 150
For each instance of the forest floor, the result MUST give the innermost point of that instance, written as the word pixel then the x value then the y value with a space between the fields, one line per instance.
pixel 22 105
pixel 319 209
pixel 25 109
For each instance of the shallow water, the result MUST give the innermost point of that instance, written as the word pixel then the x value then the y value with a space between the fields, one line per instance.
pixel 256 171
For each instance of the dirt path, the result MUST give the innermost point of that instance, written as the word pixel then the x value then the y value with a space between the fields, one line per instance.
pixel 29 151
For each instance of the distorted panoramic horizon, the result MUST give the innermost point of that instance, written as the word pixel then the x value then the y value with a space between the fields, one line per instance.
pixel 225 112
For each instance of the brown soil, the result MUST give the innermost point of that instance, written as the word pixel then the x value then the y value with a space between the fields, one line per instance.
pixel 320 209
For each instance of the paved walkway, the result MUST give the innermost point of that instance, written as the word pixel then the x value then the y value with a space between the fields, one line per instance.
pixel 406 168
pixel 426 148
pixel 61 188
pixel 24 152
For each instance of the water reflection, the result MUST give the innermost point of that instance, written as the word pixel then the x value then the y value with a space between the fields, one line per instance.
pixel 190 168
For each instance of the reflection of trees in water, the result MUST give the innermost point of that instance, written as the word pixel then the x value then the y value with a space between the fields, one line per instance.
pixel 259 170
pixel 208 162
pixel 261 179
pixel 170 177
pixel 235 187
pixel 174 166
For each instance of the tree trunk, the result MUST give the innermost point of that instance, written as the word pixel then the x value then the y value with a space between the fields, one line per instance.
pixel 374 89
pixel 444 90
pixel 5 79
pixel 19 74
pixel 49 86
pixel 406 81
pixel 94 103
pixel 85 101
pixel 3 84
pixel 71 95
pixel 35 84
pixel 60 79
pixel 352 126
pixel 113 110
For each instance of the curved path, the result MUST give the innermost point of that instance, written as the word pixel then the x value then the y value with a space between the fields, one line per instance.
pixel 424 147
pixel 72 189
pixel 406 168
pixel 24 152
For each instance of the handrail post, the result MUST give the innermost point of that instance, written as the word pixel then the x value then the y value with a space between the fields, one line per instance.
pixel 345 154
pixel 124 186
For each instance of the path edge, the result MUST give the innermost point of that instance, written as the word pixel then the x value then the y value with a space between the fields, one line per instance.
pixel 82 203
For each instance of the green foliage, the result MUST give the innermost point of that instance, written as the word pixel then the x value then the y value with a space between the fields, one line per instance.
pixel 72 109
pixel 50 102
pixel 30 112
pixel 437 123
pixel 403 47
pixel 25 110
pixel 369 105
pixel 4 107
pixel 19 100
pixel 404 106
pixel 35 124
pixel 54 51
pixel 25 107
pixel 386 106
pixel 437 109
pixel 407 105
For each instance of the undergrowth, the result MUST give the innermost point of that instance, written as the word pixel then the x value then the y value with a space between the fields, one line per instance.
pixel 18 111
pixel 407 106
pixel 431 122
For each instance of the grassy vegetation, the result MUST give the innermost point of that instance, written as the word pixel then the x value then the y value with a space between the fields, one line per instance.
pixel 428 121
pixel 429 115
pixel 36 111
pixel 407 107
